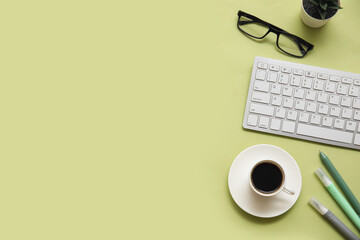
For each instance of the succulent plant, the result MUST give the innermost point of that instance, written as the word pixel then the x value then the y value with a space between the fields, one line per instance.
pixel 324 6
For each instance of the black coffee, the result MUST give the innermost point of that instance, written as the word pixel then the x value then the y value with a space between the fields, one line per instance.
pixel 267 177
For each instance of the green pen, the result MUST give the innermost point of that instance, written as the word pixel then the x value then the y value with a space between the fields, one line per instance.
pixel 340 181
pixel 340 199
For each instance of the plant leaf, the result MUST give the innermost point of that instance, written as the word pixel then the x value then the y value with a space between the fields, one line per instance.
pixel 335 7
pixel 323 5
pixel 322 13
pixel 314 2
pixel 333 3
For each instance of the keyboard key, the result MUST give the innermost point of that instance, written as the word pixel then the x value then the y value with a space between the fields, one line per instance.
pixel 261 86
pixel 311 107
pixel 335 111
pixel 330 87
pixel 350 126
pixel 342 89
pixel 261 109
pixel 299 104
pixel 304 117
pixel 275 124
pixel 306 83
pixel 262 65
pixel 310 74
pixel 276 101
pixel 346 80
pixel 357 82
pixel 299 93
pixel 274 67
pixel 334 99
pixel 292 115
pixel 252 120
pixel 284 78
pixel 345 101
pixel 323 109
pixel 287 91
pixel 357 115
pixel 319 85
pixel 260 97
pixel 288 102
pixel 276 89
pixel 280 112
pixel 298 72
pixel 339 123
pixel 356 103
pixel 323 76
pixel 322 97
pixel 260 74
pixel 324 133
pixel 295 81
pixel 286 70
pixel 354 91
pixel 272 77
pixel 315 119
pixel 264 122
pixel 347 113
pixel 288 126
pixel 310 95
pixel 357 139
pixel 327 121
pixel 334 78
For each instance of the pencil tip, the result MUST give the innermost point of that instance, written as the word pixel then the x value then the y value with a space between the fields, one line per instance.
pixel 322 155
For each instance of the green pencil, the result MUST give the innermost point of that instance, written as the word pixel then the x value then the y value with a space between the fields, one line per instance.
pixel 339 198
pixel 340 181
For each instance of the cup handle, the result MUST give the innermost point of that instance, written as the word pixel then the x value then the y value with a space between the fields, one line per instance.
pixel 288 191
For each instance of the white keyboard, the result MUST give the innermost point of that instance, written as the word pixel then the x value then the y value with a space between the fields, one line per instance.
pixel 306 102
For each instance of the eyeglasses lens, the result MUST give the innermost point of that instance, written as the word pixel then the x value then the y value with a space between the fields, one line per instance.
pixel 255 29
pixel 290 45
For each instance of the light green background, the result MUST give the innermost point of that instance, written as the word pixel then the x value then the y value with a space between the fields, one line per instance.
pixel 120 119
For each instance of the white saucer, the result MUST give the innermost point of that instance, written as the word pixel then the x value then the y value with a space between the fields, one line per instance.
pixel 246 198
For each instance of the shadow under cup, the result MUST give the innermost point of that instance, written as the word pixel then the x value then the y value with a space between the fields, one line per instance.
pixel 267 178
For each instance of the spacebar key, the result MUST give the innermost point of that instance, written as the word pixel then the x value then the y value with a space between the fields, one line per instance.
pixel 324 133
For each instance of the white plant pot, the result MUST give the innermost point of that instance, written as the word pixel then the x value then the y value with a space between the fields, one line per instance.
pixel 313 22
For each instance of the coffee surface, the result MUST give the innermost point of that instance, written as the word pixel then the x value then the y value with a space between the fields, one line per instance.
pixel 267 177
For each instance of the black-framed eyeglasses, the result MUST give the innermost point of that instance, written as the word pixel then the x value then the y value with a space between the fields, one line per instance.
pixel 286 42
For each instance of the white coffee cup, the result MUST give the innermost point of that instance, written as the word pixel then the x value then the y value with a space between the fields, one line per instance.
pixel 267 178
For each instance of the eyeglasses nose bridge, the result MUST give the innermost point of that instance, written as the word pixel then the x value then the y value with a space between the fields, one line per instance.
pixel 267 33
